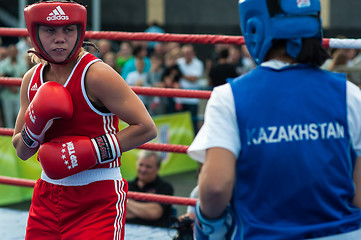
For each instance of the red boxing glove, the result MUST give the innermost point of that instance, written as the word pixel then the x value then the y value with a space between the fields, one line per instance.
pixel 50 102
pixel 68 155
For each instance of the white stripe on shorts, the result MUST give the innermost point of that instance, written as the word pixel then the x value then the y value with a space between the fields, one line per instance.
pixel 118 223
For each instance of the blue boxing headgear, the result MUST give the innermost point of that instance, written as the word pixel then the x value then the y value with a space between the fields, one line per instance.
pixel 263 21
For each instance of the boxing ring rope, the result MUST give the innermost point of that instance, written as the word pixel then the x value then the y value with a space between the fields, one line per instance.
pixel 163 147
pixel 182 38
pixel 160 37
pixel 150 91
pixel 149 197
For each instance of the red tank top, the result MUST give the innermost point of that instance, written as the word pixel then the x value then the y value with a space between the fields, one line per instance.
pixel 87 120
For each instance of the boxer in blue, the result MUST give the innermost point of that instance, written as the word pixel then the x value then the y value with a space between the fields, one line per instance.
pixel 281 145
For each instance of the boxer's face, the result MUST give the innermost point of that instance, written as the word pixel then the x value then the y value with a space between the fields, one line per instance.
pixel 58 42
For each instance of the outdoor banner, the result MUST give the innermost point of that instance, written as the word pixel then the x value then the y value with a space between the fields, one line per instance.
pixel 172 129
pixel 12 166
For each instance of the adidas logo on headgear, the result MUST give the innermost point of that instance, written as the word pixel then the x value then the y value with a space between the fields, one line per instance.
pixel 57 14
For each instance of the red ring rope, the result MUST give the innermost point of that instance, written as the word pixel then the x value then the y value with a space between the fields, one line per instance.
pixel 150 197
pixel 163 147
pixel 150 91
pixel 171 92
pixel 149 146
pixel 141 36
pixel 183 38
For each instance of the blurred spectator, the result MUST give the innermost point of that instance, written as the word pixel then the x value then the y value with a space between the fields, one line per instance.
pixel 240 58
pixel 154 76
pixel 156 70
pixel 348 54
pixel 170 79
pixel 222 70
pixel 212 59
pixel 192 71
pixel 339 59
pixel 169 46
pixel 104 46
pixel 148 181
pixel 153 28
pixel 3 53
pixel 172 50
pixel 341 62
pixel 139 53
pixel 23 45
pixel 110 59
pixel 123 55
pixel 160 50
pixel 11 66
pixel 247 61
pixel 138 78
pixel 354 74
pixel 354 57
pixel 235 58
pixel 172 56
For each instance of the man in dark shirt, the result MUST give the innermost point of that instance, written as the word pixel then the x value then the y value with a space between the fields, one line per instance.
pixel 223 70
pixel 148 181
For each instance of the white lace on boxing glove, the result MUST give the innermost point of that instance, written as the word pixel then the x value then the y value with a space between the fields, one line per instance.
pixel 213 229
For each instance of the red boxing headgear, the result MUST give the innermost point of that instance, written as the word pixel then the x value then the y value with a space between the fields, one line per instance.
pixel 54 13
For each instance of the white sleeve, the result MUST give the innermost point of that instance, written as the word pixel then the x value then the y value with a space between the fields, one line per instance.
pixel 198 71
pixel 354 115
pixel 131 78
pixel 220 128
pixel 194 194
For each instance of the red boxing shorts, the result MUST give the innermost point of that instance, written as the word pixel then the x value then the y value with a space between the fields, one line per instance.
pixel 93 211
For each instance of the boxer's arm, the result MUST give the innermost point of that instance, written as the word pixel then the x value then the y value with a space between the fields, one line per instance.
pixel 107 88
pixel 216 181
pixel 22 150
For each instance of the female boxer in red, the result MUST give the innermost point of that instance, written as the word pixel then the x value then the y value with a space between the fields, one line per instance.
pixel 71 103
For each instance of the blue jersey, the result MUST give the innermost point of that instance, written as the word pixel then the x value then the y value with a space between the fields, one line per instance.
pixel 294 172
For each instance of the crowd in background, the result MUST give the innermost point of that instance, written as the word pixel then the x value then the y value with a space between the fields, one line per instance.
pixel 159 64
pixel 140 63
